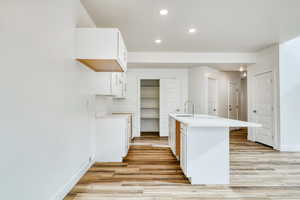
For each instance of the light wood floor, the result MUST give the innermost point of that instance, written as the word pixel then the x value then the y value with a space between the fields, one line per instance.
pixel 151 138
pixel 151 173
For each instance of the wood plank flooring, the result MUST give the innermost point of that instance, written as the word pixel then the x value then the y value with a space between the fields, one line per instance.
pixel 150 172
pixel 150 138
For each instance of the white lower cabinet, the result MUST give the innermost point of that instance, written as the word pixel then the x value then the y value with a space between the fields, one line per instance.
pixel 111 138
pixel 172 134
pixel 204 153
pixel 183 150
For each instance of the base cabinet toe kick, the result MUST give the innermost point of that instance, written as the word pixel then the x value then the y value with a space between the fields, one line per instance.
pixel 204 150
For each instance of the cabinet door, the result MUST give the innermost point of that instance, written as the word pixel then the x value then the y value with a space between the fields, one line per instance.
pixel 172 134
pixel 185 155
pixel 115 83
pixel 183 151
pixel 124 86
pixel 120 85
pixel 122 54
pixel 182 154
pixel 126 141
pixel 103 83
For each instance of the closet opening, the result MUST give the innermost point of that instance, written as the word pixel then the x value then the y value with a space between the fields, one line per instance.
pixel 150 108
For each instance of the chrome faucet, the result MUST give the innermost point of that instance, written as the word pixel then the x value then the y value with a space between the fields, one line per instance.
pixel 186 107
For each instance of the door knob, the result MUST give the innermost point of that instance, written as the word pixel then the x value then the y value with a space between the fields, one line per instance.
pixel 254 111
pixel 214 110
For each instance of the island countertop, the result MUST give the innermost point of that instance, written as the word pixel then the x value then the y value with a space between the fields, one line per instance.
pixel 211 121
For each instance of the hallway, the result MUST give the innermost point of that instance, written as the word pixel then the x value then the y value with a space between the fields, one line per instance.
pixel 152 172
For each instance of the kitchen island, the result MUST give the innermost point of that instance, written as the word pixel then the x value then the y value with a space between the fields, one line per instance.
pixel 201 143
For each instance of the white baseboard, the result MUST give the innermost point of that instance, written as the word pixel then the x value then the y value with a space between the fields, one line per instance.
pixel 286 148
pixel 65 189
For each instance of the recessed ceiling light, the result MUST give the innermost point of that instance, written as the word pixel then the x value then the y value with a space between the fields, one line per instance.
pixel 158 41
pixel 163 12
pixel 192 30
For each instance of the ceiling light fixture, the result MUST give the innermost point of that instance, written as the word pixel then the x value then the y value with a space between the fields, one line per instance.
pixel 158 41
pixel 192 30
pixel 241 68
pixel 164 12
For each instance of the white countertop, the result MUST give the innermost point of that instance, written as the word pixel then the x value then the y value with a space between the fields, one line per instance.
pixel 114 116
pixel 212 121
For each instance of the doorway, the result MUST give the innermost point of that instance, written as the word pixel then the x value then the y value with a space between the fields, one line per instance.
pixel 150 107
pixel 263 107
pixel 234 100
pixel 212 96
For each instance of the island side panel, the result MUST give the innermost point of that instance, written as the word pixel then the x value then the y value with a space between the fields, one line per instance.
pixel 177 139
pixel 172 134
pixel 208 155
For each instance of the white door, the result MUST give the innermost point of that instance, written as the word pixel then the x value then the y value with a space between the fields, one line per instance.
pixel 263 107
pixel 169 102
pixel 212 97
pixel 233 102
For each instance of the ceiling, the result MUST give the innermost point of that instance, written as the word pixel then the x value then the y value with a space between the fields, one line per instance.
pixel 222 25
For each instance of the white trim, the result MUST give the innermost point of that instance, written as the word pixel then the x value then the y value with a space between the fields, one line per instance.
pixel 286 148
pixel 267 60
pixel 194 58
pixel 65 189
pixel 138 79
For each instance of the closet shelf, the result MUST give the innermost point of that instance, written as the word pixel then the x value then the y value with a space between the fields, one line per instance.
pixel 150 107
pixel 149 97
pixel 150 116
pixel 150 87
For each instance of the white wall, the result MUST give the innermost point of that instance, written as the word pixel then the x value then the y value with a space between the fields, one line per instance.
pixel 289 71
pixel 44 119
pixel 130 104
pixel 84 20
pixel 267 60
pixel 198 88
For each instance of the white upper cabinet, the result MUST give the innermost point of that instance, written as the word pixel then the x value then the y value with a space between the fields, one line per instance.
pixel 110 84
pixel 106 83
pixel 122 86
pixel 101 49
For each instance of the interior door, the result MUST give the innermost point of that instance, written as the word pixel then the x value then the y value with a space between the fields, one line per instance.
pixel 212 97
pixel 263 107
pixel 169 102
pixel 233 102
